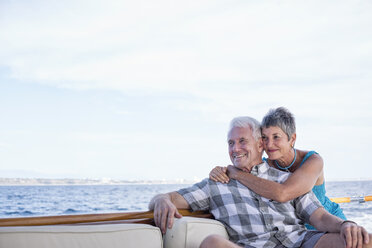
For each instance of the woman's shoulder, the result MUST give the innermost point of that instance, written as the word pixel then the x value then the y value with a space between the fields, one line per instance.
pixel 305 154
pixel 312 162
pixel 309 157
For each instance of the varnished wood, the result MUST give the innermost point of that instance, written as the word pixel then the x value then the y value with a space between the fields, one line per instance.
pixel 107 218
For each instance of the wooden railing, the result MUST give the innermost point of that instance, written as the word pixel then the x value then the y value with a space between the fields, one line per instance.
pixel 107 218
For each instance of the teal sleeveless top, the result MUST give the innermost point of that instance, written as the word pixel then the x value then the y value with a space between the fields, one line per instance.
pixel 320 193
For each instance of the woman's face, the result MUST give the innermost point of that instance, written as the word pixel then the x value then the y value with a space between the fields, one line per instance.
pixel 276 143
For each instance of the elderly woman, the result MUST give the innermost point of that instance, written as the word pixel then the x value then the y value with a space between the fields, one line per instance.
pixel 279 136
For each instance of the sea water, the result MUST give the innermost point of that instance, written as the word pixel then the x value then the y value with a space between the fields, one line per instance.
pixel 21 201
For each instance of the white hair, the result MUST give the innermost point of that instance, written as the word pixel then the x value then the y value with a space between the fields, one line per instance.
pixel 246 121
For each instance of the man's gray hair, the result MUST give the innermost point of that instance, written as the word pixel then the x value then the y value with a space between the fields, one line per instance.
pixel 246 121
pixel 282 118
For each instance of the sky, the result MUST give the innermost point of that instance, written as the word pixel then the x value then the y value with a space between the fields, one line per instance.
pixel 145 90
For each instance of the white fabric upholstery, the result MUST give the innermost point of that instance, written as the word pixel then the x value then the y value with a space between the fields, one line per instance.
pixel 189 232
pixel 82 236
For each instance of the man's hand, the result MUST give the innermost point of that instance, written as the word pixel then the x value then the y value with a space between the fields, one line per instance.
pixel 218 174
pixel 164 212
pixel 353 235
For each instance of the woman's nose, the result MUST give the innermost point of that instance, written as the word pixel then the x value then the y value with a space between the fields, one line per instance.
pixel 268 142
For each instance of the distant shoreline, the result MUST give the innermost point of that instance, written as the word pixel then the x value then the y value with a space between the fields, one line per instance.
pixel 70 181
pixel 106 181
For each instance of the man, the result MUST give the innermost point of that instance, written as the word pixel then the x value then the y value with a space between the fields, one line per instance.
pixel 252 220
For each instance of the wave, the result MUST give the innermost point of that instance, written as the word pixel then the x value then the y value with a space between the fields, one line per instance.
pixel 71 211
pixel 121 209
pixel 19 213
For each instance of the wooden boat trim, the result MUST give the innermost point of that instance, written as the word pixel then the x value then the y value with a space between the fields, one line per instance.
pixel 106 218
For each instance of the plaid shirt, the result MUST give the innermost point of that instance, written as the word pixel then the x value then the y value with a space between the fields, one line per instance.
pixel 250 219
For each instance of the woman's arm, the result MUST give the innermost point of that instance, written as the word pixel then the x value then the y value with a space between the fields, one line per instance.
pixel 299 183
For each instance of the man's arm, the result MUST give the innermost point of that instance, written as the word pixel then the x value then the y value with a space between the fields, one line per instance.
pixel 324 221
pixel 350 232
pixel 165 209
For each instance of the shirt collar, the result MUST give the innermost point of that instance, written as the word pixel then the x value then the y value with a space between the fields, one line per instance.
pixel 260 169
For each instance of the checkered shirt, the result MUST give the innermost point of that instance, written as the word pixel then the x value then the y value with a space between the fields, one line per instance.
pixel 250 219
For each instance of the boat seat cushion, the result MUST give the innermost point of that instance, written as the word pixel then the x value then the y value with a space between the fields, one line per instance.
pixel 82 236
pixel 189 232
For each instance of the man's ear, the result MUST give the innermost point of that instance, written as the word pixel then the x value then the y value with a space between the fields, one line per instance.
pixel 260 144
pixel 293 139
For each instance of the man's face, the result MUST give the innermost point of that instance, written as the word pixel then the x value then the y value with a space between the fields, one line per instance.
pixel 244 150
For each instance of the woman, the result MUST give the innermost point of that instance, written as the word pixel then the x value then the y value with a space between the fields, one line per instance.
pixel 279 136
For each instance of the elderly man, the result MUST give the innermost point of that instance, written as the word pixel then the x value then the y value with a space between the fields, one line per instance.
pixel 252 220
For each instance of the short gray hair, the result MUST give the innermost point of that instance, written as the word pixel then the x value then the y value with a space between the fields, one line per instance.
pixel 282 118
pixel 246 121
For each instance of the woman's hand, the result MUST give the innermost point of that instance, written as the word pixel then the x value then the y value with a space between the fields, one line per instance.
pixel 232 172
pixel 218 174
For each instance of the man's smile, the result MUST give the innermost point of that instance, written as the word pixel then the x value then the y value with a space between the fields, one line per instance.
pixel 239 155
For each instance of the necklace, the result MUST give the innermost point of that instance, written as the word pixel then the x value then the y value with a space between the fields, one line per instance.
pixel 289 166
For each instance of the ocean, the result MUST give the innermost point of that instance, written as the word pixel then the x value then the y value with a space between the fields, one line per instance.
pixel 22 201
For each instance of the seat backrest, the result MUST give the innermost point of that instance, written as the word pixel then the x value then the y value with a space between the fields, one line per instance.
pixel 82 236
pixel 189 232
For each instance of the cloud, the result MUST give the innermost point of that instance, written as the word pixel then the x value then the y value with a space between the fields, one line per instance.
pixel 229 58
pixel 4 145
pixel 184 47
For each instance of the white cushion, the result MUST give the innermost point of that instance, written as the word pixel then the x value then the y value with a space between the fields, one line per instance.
pixel 82 236
pixel 189 232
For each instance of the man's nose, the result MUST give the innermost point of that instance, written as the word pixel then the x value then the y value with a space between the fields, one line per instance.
pixel 236 147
